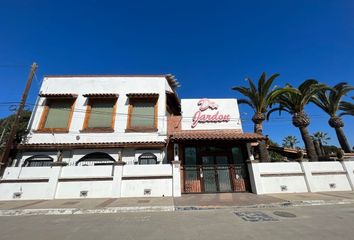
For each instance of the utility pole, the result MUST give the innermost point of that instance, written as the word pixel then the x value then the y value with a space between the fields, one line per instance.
pixel 9 143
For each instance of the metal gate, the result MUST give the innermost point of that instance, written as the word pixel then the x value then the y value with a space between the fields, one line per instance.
pixel 215 178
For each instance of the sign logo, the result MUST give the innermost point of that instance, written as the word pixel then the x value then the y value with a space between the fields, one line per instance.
pixel 205 104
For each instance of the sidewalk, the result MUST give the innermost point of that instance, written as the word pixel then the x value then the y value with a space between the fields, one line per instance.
pixel 184 203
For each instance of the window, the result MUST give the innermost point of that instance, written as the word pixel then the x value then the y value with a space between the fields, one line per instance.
pixel 142 114
pixel 147 158
pixel 96 159
pixel 57 115
pixel 100 114
pixel 38 161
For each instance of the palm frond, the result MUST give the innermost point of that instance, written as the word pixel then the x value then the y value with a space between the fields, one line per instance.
pixel 347 108
pixel 279 109
pixel 245 101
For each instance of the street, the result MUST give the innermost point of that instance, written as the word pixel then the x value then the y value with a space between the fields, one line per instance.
pixel 310 222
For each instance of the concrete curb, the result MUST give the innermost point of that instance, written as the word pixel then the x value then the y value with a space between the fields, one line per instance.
pixel 271 205
pixel 77 211
pixel 171 208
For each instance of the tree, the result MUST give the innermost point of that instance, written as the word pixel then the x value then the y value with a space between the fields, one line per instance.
pixel 329 100
pixel 290 142
pixel 294 103
pixel 5 126
pixel 321 137
pixel 260 98
pixel 347 108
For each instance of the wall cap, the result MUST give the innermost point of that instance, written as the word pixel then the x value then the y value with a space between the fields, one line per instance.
pixel 120 163
pixel 252 161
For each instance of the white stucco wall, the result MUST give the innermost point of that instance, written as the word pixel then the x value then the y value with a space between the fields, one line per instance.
pixel 101 84
pixel 147 170
pixel 224 107
pixel 285 177
pixel 292 177
pixel 87 171
pixel 328 176
pixel 157 188
pixel 96 189
pixel 98 181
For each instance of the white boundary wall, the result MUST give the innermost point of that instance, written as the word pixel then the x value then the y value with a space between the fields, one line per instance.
pixel 293 177
pixel 90 182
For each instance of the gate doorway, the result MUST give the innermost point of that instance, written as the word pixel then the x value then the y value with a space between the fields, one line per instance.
pixel 214 169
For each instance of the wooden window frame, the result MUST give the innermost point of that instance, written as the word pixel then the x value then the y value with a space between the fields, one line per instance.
pixel 91 100
pixel 133 100
pixel 44 116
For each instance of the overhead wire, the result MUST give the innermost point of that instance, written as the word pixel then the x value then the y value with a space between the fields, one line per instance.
pixel 150 116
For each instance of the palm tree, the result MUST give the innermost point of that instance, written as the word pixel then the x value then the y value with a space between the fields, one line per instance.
pixel 329 100
pixel 260 98
pixel 321 137
pixel 294 103
pixel 347 108
pixel 290 142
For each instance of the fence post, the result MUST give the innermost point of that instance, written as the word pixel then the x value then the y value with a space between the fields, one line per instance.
pixel 308 175
pixel 176 178
pixel 54 180
pixel 348 167
pixel 117 179
pixel 255 177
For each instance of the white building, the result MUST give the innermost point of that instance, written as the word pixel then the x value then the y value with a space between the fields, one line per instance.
pixel 117 117
pixel 131 136
pixel 85 129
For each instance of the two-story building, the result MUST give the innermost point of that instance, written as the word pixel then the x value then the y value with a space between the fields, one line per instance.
pixel 99 120
pixel 127 136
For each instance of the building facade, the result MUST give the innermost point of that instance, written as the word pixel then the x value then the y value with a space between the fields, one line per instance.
pixel 211 145
pixel 127 136
pixel 96 120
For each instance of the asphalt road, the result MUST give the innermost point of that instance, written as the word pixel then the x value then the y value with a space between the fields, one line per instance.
pixel 311 222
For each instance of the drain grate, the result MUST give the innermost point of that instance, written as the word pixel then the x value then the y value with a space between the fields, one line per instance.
pixel 284 214
pixel 255 217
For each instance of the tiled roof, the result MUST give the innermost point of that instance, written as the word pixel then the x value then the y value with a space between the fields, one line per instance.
pixel 142 95
pixel 101 95
pixel 91 145
pixel 58 95
pixel 215 135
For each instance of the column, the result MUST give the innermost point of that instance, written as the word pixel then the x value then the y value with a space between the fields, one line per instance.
pixel 255 177
pixel 176 178
pixel 348 166
pixel 117 179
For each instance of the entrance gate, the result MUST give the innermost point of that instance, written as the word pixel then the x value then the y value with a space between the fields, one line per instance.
pixel 217 178
pixel 213 169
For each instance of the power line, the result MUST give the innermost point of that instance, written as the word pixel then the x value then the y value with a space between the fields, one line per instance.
pixel 152 116
pixel 13 65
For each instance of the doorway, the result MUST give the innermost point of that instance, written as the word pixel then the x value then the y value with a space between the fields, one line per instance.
pixel 214 169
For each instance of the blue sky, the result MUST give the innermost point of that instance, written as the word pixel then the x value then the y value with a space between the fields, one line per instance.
pixel 210 46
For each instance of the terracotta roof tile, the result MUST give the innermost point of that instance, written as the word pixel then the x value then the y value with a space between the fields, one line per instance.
pixel 101 95
pixel 58 95
pixel 215 135
pixel 142 95
pixel 90 145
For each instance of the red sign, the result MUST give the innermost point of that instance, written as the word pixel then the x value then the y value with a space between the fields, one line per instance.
pixel 216 117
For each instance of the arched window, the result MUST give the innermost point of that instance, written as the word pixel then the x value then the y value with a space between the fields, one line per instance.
pixel 38 161
pixel 96 159
pixel 147 158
